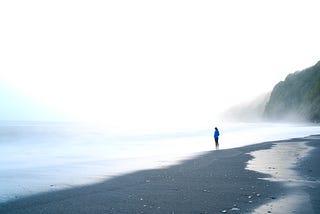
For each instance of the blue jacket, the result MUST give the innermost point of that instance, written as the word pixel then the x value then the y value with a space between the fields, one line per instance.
pixel 216 134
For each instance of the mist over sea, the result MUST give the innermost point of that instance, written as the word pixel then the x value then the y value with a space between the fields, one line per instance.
pixel 38 156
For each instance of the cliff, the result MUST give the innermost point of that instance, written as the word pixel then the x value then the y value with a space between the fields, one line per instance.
pixel 251 111
pixel 297 97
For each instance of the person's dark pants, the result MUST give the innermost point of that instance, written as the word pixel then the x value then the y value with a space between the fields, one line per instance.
pixel 217 142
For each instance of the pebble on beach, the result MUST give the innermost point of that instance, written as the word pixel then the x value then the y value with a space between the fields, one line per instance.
pixel 235 209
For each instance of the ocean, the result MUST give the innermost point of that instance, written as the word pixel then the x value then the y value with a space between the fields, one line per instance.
pixel 38 157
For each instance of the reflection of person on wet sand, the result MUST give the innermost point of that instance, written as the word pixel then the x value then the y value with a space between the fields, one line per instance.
pixel 216 137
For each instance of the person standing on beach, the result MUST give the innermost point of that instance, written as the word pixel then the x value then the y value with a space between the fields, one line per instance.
pixel 216 137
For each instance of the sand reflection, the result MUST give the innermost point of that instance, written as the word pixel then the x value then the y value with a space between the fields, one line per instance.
pixel 278 162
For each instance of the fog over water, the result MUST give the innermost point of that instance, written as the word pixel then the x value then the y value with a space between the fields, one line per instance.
pixel 37 157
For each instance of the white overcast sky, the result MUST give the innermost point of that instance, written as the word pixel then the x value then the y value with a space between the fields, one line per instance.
pixel 155 63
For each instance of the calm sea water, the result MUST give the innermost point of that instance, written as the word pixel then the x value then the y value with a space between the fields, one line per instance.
pixel 37 156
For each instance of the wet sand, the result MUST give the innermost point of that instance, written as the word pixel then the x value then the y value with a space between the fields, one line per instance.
pixel 290 163
pixel 215 182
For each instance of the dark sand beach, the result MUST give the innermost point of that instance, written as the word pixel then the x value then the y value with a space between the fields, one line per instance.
pixel 215 182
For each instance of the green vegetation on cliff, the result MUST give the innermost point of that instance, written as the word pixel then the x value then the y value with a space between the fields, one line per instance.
pixel 297 97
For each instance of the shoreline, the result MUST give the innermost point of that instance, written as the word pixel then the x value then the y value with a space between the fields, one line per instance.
pixel 285 163
pixel 215 182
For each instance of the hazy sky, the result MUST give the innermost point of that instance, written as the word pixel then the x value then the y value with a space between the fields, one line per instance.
pixel 152 63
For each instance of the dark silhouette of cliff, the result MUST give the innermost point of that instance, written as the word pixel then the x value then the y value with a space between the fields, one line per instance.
pixel 297 98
